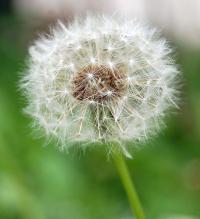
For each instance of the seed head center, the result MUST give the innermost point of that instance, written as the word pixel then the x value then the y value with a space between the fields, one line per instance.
pixel 98 83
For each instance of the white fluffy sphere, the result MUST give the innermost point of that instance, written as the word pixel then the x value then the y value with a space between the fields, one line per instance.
pixel 101 79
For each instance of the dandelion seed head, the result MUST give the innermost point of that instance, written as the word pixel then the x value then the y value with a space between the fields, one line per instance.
pixel 103 78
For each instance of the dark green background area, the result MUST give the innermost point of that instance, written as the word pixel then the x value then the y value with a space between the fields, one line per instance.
pixel 38 182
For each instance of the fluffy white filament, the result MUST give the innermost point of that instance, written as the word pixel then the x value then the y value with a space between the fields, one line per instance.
pixel 128 46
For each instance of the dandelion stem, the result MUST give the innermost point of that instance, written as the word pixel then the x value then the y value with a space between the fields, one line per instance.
pixel 128 186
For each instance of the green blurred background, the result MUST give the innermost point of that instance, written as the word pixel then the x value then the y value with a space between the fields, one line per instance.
pixel 38 182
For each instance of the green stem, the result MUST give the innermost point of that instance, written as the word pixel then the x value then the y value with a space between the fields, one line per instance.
pixel 129 186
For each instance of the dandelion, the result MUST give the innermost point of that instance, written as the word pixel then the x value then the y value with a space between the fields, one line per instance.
pixel 102 79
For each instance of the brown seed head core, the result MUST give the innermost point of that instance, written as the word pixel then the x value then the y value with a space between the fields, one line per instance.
pixel 98 83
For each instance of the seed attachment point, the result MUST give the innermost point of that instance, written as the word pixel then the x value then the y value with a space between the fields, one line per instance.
pixel 106 85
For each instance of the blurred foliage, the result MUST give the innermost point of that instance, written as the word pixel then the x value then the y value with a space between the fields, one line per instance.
pixel 38 182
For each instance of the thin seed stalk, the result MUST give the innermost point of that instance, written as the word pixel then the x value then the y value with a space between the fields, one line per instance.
pixel 129 186
pixel 120 164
